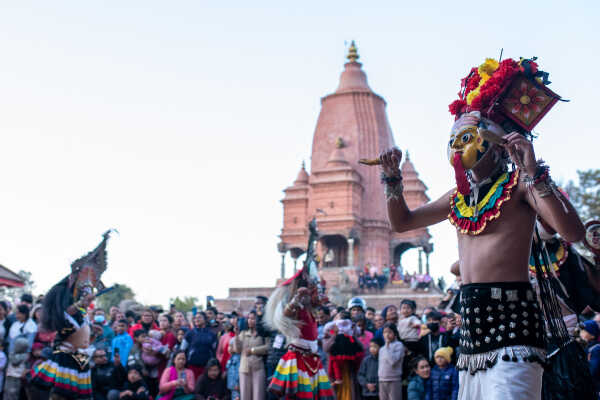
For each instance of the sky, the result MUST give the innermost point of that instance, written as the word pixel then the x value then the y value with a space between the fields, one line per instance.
pixel 180 123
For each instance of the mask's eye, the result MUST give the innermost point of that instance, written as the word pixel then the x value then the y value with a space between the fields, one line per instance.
pixel 451 142
pixel 466 138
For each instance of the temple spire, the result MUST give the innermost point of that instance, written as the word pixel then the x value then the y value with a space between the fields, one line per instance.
pixel 352 52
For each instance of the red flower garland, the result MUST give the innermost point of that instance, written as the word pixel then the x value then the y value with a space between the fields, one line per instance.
pixel 488 91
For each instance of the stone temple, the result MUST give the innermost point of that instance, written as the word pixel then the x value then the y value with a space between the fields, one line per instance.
pixel 347 198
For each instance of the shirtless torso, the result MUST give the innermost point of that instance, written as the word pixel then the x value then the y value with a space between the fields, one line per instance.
pixel 501 252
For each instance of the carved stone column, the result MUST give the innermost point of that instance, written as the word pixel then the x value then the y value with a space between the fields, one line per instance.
pixel 350 252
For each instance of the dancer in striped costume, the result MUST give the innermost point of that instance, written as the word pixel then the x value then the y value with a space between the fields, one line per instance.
pixel 66 375
pixel 300 373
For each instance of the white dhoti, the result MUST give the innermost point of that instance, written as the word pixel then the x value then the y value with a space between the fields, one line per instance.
pixel 506 380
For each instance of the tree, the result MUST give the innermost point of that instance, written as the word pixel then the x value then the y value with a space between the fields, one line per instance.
pixel 586 195
pixel 115 296
pixel 186 304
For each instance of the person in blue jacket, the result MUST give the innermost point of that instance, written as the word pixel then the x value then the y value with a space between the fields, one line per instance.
pixel 200 344
pixel 419 385
pixel 122 343
pixel 444 376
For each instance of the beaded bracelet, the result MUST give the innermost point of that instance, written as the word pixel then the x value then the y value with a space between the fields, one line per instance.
pixel 393 186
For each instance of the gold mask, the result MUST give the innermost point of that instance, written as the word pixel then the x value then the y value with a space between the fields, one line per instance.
pixel 465 139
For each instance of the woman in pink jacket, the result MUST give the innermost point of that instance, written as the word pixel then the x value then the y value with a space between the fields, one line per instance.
pixel 177 381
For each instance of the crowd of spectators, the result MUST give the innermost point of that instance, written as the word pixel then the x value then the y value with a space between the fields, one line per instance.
pixel 372 278
pixel 212 355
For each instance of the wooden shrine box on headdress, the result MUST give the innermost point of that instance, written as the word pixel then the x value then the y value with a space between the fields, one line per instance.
pixel 526 101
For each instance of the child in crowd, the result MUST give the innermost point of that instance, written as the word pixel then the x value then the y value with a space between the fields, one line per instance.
pixel 345 354
pixel 367 374
pixel 233 373
pixel 153 351
pixel 363 335
pixel 409 325
pixel 419 386
pixel 391 356
pixel 121 343
pixel 211 386
pixel 134 388
pixel 152 348
pixel 17 360
pixel 444 377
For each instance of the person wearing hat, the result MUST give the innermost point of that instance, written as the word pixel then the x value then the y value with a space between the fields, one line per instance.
pixel 444 377
pixel 588 336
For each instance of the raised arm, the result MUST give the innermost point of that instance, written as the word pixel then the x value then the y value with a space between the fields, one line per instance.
pixel 542 196
pixel 401 218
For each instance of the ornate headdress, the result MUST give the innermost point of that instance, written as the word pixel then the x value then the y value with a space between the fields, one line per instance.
pixel 84 278
pixel 508 92
pixel 307 276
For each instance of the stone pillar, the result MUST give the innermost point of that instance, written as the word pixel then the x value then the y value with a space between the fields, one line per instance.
pixel 295 263
pixel 427 262
pixel 420 262
pixel 282 249
pixel 350 252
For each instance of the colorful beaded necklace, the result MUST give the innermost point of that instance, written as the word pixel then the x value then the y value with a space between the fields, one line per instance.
pixel 473 219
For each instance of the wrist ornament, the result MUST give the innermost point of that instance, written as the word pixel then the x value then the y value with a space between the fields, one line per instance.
pixel 541 181
pixel 393 186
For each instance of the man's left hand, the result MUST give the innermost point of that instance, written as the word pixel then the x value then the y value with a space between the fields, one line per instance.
pixel 521 152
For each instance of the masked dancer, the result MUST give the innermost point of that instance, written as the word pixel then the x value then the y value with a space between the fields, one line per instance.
pixel 290 311
pixel 66 374
pixel 493 208
pixel 576 283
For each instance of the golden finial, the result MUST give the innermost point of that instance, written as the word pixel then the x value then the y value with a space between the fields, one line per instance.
pixel 352 52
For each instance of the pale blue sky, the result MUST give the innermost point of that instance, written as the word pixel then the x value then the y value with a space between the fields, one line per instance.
pixel 179 123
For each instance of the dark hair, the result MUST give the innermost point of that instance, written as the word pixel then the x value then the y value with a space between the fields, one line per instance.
pixel 130 314
pixel 393 328
pixel 340 309
pixel 203 316
pixel 414 363
pixel 434 315
pixel 371 309
pixel 4 305
pixel 139 332
pixel 168 317
pixel 410 303
pixel 345 314
pixel 27 297
pixel 325 310
pixel 213 362
pixel 213 309
pixel 377 340
pixel 123 321
pixel 23 309
pixel 178 352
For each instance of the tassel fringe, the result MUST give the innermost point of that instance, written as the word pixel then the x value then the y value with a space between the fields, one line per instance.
pixel 484 361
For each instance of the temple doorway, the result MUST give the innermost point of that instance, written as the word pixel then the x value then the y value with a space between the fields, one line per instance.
pixel 335 251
